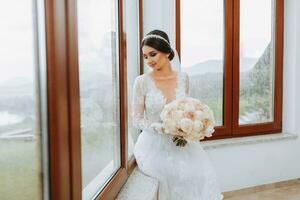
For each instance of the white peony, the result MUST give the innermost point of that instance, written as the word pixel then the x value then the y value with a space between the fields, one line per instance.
pixel 177 115
pixel 198 126
pixel 186 125
pixel 200 115
pixel 189 108
pixel 208 132
pixel 169 125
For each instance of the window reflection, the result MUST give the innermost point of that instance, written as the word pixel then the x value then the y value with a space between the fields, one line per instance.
pixel 99 93
pixel 21 64
pixel 256 61
pixel 202 51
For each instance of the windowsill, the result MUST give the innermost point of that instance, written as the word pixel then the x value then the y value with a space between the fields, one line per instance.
pixel 91 190
pixel 214 144
pixel 139 186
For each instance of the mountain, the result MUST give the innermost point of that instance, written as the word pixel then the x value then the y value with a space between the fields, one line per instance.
pixel 18 86
pixel 216 66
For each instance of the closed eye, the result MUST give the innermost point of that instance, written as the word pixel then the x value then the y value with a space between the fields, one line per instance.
pixel 151 54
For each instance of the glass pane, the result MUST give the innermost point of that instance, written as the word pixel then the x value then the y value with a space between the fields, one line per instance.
pixel 202 51
pixel 133 63
pixel 256 61
pixel 20 101
pixel 99 93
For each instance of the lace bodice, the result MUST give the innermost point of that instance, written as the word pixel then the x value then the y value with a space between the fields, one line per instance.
pixel 149 100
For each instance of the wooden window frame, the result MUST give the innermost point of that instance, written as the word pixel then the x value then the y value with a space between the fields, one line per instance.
pixel 230 127
pixel 64 103
pixel 132 161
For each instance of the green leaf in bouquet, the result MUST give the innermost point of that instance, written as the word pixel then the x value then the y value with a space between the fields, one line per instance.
pixel 175 139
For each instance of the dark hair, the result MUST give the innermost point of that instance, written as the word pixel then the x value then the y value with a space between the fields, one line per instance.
pixel 159 44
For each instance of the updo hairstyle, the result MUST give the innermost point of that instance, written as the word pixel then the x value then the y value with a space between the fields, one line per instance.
pixel 158 43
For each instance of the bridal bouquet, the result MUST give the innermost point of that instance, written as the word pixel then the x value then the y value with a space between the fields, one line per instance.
pixel 187 119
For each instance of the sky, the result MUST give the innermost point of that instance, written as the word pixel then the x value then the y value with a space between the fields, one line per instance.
pixel 202 29
pixel 16 39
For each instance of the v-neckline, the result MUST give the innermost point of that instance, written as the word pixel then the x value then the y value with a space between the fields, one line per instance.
pixel 161 92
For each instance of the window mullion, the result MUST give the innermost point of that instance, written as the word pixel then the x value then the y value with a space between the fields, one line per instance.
pixel 235 66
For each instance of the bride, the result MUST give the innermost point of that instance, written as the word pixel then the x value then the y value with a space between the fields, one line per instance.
pixel 183 170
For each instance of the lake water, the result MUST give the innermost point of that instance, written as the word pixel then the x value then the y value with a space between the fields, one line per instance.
pixel 8 118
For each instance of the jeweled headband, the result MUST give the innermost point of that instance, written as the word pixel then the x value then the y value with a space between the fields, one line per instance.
pixel 155 36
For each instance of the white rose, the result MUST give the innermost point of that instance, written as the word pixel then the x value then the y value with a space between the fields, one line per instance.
pixel 208 132
pixel 186 125
pixel 195 135
pixel 169 125
pixel 189 108
pixel 200 115
pixel 178 114
pixel 198 126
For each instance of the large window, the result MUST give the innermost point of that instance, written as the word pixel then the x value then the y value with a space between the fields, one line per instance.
pixel 202 51
pixel 99 93
pixel 256 103
pixel 232 51
pixel 63 80
pixel 86 86
pixel 23 130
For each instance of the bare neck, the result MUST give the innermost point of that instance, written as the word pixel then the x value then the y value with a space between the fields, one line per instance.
pixel 164 72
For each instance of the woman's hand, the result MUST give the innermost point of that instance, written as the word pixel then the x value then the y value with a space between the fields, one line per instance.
pixel 158 127
pixel 180 141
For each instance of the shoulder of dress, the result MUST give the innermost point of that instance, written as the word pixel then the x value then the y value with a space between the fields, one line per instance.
pixel 140 78
pixel 141 81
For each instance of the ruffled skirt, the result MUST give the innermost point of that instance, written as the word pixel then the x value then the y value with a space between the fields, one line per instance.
pixel 184 173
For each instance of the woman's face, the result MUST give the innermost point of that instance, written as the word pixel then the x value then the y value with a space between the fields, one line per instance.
pixel 154 58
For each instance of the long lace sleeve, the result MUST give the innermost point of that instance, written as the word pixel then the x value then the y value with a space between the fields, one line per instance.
pixel 138 105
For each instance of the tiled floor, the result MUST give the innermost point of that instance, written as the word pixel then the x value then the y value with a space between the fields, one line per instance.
pixel 291 192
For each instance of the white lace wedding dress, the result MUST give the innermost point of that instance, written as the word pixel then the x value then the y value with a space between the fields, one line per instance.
pixel 184 173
